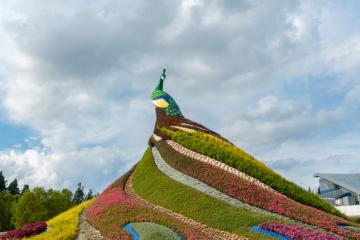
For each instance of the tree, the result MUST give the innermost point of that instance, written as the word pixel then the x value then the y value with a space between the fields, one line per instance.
pixel 30 208
pixel 2 182
pixel 6 202
pixel 13 188
pixel 57 202
pixel 3 214
pixel 89 195
pixel 25 188
pixel 40 204
pixel 79 194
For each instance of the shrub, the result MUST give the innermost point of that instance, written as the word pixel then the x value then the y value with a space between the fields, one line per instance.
pixel 25 231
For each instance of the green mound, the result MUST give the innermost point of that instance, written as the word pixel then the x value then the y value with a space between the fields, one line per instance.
pixel 150 231
pixel 151 184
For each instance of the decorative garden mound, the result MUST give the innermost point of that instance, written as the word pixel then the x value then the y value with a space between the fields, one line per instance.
pixel 198 184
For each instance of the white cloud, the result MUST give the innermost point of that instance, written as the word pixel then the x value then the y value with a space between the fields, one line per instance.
pixel 273 121
pixel 306 157
pixel 94 167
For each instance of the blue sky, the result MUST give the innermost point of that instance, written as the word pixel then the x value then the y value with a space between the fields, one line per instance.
pixel 279 78
pixel 13 135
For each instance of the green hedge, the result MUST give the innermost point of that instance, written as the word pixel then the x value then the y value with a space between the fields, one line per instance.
pixel 233 156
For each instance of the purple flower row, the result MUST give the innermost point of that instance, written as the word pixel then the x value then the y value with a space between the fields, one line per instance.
pixel 296 232
pixel 25 231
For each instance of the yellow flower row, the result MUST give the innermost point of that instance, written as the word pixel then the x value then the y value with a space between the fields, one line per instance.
pixel 64 226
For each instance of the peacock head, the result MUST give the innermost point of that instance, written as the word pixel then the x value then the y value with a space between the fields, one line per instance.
pixel 158 96
pixel 163 100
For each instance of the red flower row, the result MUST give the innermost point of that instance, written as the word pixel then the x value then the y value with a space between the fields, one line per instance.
pixel 25 231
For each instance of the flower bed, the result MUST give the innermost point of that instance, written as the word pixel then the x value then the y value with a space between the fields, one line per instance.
pixel 25 231
pixel 113 208
pixel 235 157
pixel 65 225
pixel 252 194
pixel 296 232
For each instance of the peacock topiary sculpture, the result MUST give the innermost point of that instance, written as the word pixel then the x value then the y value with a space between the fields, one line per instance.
pixel 161 99
pixel 169 115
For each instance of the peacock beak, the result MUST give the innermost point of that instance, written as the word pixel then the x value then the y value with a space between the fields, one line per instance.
pixel 160 103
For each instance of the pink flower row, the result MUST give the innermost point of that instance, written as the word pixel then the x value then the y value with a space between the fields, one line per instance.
pixel 296 232
pixel 25 231
pixel 108 198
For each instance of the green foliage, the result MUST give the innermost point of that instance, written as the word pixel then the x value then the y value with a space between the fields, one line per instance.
pixel 13 187
pixel 30 208
pixel 20 208
pixel 233 156
pixel 25 188
pixel 79 194
pixel 151 184
pixel 57 202
pixel 39 205
pixel 6 202
pixel 2 182
pixel 89 195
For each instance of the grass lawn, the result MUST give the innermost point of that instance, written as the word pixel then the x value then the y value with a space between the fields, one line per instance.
pixel 151 184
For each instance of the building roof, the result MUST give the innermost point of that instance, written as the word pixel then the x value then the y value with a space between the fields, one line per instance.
pixel 350 182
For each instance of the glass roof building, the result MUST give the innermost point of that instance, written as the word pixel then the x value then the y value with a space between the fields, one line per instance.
pixel 339 189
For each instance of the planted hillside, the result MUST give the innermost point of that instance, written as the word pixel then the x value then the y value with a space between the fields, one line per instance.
pixel 151 184
pixel 246 191
pixel 235 157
